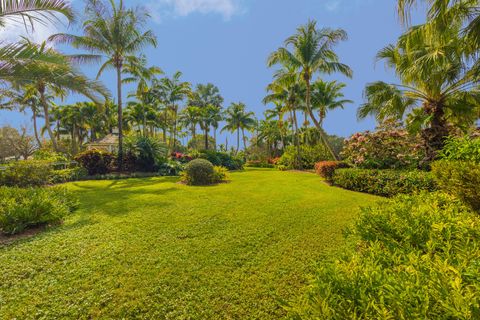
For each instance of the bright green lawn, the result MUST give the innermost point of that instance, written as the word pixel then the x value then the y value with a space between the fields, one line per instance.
pixel 155 249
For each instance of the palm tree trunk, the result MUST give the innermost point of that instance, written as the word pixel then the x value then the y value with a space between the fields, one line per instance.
pixel 434 136
pixel 206 137
pixel 244 140
pixel 238 140
pixel 35 129
pixel 215 138
pixel 298 162
pixel 43 101
pixel 120 120
pixel 315 121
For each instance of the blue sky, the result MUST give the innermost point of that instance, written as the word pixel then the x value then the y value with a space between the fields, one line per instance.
pixel 227 42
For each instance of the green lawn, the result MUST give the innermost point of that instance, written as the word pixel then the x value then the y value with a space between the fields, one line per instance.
pixel 156 249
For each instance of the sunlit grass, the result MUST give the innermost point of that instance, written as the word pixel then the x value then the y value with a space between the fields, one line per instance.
pixel 153 248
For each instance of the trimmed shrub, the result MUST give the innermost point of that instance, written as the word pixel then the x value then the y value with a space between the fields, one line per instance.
pixel 67 175
pixel 385 183
pixel 460 179
pixel 417 257
pixel 198 172
pixel 326 168
pixel 96 161
pixel 222 159
pixel 30 173
pixel 282 168
pixel 23 208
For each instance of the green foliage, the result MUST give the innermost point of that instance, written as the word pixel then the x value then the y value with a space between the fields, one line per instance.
pixel 461 179
pixel 198 172
pixel 28 173
pixel 67 175
pixel 462 149
pixel 96 161
pixel 220 174
pixel 390 147
pixel 326 169
pixel 386 183
pixel 148 152
pixel 223 159
pixel 309 155
pixel 47 154
pixel 416 258
pixel 259 164
pixel 22 208
pixel 171 168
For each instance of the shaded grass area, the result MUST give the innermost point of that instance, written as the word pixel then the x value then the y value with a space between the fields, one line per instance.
pixel 153 248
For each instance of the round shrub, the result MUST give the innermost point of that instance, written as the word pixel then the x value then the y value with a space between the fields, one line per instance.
pixel 29 173
pixel 199 172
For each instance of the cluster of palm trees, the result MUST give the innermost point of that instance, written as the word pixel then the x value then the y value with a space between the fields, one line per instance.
pixel 438 70
pixel 34 75
pixel 298 89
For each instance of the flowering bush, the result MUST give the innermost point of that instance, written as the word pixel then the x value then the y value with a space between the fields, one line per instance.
pixel 181 157
pixel 390 147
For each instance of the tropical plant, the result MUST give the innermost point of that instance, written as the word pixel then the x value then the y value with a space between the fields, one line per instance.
pixel 116 32
pixel 238 120
pixel 436 89
pixel 312 53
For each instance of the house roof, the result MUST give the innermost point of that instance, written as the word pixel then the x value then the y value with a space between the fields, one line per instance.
pixel 109 139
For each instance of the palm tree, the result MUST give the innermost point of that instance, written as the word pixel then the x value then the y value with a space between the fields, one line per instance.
pixel 238 119
pixel 138 72
pixel 436 88
pixel 288 88
pixel 57 75
pixel 191 117
pixel 172 91
pixel 29 12
pixel 312 53
pixel 113 31
pixel 326 96
pixel 15 56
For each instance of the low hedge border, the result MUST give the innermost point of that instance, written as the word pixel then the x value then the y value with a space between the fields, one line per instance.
pixel 387 183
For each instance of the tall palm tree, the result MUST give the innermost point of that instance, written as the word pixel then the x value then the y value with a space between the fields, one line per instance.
pixel 173 91
pixel 191 117
pixel 288 88
pixel 115 32
pixel 238 120
pixel 312 53
pixel 327 96
pixel 436 88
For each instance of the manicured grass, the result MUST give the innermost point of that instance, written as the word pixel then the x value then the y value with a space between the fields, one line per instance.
pixel 156 249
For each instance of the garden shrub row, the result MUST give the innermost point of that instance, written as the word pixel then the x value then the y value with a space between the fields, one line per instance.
pixel 416 257
pixel 385 183
pixel 34 173
pixel 222 159
pixel 21 208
